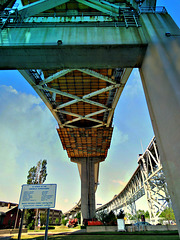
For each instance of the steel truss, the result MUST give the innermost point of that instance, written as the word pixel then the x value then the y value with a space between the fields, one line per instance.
pixel 154 182
pixel 37 13
pixel 148 180
pixel 49 94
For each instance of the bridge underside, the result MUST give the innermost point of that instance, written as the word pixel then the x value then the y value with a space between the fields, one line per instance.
pixel 69 56
pixel 86 60
pixel 83 102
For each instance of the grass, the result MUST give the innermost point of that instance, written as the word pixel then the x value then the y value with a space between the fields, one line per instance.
pixel 110 237
pixel 65 233
pixel 114 237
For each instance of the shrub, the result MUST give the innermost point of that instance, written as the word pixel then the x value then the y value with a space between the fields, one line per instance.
pixel 121 214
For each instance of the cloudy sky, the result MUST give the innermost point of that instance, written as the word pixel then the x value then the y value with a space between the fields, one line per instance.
pixel 28 134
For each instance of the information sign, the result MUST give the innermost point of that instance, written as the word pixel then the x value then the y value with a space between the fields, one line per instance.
pixel 121 225
pixel 34 196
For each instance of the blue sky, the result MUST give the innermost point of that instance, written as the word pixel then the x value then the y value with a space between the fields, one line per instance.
pixel 28 134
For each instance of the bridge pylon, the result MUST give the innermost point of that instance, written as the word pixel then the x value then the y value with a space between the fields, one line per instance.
pixel 160 78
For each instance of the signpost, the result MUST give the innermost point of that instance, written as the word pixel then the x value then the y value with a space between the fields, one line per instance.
pixel 36 196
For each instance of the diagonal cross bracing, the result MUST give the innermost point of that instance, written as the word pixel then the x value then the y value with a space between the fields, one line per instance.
pixel 55 76
pixel 51 87
pixel 86 117
pixel 84 98
pixel 52 84
pixel 39 6
pixel 97 75
pixel 100 7
pixel 65 94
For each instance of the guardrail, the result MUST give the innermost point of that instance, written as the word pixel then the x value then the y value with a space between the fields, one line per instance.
pixel 158 9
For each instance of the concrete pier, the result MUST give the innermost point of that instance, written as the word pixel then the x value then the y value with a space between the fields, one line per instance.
pixel 160 76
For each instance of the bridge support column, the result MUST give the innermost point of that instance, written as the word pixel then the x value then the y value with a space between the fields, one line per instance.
pixel 87 188
pixel 160 76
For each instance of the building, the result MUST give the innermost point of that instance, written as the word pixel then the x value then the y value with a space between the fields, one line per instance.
pixel 54 214
pixel 9 215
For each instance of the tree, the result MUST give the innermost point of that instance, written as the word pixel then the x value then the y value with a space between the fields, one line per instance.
pixel 36 175
pixel 63 220
pixel 121 214
pixel 139 213
pixel 147 214
pixel 168 215
pixel 107 218
pixel 29 217
pixel 57 221
pixel 129 216
pixel 78 216
pixel 43 219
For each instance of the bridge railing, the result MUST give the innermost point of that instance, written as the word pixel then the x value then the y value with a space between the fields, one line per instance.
pixel 157 9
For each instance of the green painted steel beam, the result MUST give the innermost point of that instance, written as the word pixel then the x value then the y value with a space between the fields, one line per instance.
pixel 39 6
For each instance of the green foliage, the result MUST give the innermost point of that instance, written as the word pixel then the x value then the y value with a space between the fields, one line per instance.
pixel 138 214
pixel 50 220
pixel 37 174
pixel 57 221
pixel 78 216
pixel 101 215
pixel 168 214
pixel 130 217
pixel 29 217
pixel 147 214
pixel 107 218
pixel 64 221
pixel 43 218
pixel 121 214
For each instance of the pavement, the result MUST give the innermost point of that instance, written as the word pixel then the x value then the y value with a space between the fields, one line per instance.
pixel 58 233
pixel 8 236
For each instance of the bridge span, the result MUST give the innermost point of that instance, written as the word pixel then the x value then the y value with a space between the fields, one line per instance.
pixel 86 50
pixel 147 180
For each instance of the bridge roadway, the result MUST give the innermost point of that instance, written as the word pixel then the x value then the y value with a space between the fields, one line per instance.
pixel 86 50
pixel 148 179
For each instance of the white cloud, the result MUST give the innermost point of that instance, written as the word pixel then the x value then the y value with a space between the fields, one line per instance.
pixel 119 182
pixel 134 86
pixel 118 137
pixel 27 134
